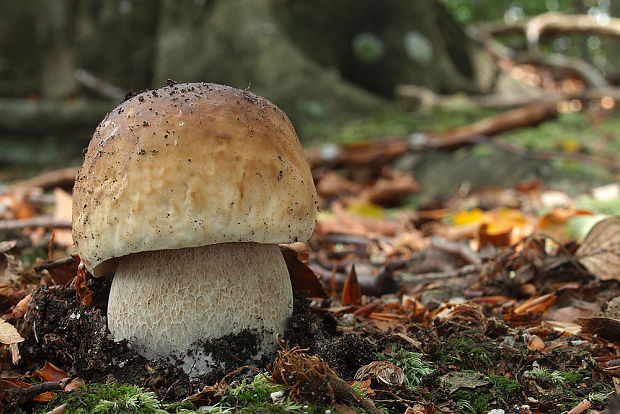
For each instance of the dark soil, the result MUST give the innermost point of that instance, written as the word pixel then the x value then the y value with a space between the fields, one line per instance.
pixel 77 340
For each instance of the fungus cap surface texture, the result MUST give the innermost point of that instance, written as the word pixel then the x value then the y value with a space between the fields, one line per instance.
pixel 190 165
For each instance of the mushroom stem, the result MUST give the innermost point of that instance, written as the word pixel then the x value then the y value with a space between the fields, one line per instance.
pixel 167 302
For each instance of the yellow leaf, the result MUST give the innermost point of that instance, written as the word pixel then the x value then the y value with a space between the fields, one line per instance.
pixel 469 217
pixel 366 210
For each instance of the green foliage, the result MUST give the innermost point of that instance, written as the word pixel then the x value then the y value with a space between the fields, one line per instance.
pixel 118 398
pixel 472 401
pixel 394 123
pixel 467 354
pixel 556 378
pixel 467 11
pixel 411 363
pixel 255 396
pixel 503 386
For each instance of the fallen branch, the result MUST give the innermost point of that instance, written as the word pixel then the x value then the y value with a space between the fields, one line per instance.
pixel 22 395
pixel 373 153
pixel 42 117
pixel 553 23
pixel 589 74
pixel 63 177
pixel 524 116
pixel 40 221
pixel 103 88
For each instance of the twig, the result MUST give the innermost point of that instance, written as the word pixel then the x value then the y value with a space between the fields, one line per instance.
pixel 581 407
pixel 460 249
pixel 434 276
pixel 105 89
pixel 40 221
pixel 64 261
pixel 22 395
pixel 63 177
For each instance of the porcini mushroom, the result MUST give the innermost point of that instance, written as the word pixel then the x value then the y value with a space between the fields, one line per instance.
pixel 184 194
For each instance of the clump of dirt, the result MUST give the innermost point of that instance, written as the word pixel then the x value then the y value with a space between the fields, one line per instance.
pixel 345 354
pixel 76 339
pixel 306 328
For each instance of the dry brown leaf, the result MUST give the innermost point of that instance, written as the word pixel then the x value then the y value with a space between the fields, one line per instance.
pixel 302 277
pixel 536 344
pixel 495 238
pixel 391 189
pixel 383 371
pixel 50 372
pixel 21 307
pixel 83 293
pixel 570 328
pixel 363 385
pixel 75 384
pixel 349 223
pixel 535 305
pixel 351 292
pixel 62 211
pixel 416 409
pixel 606 328
pixel 18 200
pixel 333 184
pixel 9 336
pixel 600 251
pixel 58 410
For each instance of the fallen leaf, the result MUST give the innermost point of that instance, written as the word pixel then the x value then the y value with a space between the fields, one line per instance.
pixel 456 380
pixel 62 271
pixel 606 328
pixel 535 305
pixel 536 344
pixel 302 277
pixel 333 184
pixel 50 372
pixel 58 410
pixel 364 385
pixel 600 251
pixel 570 328
pixel 21 307
pixel 82 292
pixel 74 385
pixel 391 188
pixel 351 292
pixel 9 336
pixel 63 203
pixel 383 371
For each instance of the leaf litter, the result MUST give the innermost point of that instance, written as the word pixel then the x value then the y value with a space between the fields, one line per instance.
pixel 448 307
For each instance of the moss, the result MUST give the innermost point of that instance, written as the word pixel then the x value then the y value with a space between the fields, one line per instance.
pixel 472 401
pixel 467 354
pixel 392 123
pixel 115 398
pixel 503 386
pixel 255 396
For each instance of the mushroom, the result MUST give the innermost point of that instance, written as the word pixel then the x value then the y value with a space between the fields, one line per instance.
pixel 184 194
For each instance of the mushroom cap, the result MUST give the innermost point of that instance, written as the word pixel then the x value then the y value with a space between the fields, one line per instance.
pixel 190 165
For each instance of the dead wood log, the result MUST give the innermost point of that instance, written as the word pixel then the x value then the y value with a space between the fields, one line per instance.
pixel 42 117
pixel 63 177
pixel 524 116
pixel 372 153
pixel 554 23
pixel 580 67
pixel 40 221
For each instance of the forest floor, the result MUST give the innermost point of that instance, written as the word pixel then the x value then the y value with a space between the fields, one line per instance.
pixel 424 289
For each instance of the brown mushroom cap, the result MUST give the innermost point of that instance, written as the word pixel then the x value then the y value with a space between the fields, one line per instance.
pixel 190 165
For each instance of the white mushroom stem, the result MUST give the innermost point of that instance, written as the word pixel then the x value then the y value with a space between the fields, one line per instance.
pixel 165 301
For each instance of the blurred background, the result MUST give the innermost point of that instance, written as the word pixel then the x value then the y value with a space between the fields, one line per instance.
pixel 343 71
